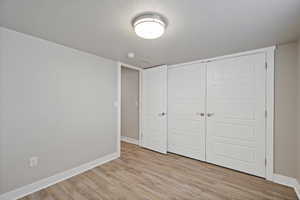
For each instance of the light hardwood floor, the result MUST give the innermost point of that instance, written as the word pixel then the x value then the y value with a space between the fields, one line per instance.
pixel 141 174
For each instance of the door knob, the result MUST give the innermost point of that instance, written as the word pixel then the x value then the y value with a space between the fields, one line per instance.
pixel 210 114
pixel 200 113
pixel 162 114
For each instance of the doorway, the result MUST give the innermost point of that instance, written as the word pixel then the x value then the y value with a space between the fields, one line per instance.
pixel 130 104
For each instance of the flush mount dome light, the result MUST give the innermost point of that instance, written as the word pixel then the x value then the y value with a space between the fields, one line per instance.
pixel 149 26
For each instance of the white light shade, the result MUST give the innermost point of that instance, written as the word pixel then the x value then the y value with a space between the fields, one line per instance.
pixel 149 26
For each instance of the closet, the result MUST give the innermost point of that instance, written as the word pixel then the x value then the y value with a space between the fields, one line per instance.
pixel 216 111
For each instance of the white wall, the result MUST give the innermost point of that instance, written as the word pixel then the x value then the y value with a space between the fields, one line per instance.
pixel 130 108
pixel 55 103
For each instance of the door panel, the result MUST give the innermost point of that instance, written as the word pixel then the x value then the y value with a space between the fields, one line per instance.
pixel 186 100
pixel 236 113
pixel 154 109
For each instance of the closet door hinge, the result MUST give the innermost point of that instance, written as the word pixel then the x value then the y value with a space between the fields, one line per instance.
pixel 266 113
pixel 265 162
pixel 266 65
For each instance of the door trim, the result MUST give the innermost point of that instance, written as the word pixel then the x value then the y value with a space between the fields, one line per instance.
pixel 269 58
pixel 140 70
pixel 270 81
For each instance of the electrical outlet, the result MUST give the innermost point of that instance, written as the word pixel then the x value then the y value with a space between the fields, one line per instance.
pixel 33 161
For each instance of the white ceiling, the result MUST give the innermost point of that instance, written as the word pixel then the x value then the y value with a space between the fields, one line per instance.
pixel 197 28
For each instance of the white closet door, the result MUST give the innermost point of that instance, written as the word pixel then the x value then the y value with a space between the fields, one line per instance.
pixel 236 113
pixel 186 110
pixel 154 109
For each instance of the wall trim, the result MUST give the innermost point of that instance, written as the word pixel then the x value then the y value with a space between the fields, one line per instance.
pixel 46 182
pixel 130 140
pixel 297 189
pixel 131 66
pixel 243 53
pixel 287 181
pixel 118 105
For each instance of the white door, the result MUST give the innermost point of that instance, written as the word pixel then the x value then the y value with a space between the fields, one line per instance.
pixel 236 113
pixel 186 110
pixel 154 109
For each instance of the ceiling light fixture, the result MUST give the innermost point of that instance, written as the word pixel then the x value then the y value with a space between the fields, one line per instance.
pixel 149 26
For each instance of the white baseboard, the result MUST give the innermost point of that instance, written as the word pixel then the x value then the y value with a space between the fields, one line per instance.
pixel 284 180
pixel 288 181
pixel 297 189
pixel 41 184
pixel 130 140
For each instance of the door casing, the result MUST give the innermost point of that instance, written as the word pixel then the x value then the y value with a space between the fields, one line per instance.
pixel 118 102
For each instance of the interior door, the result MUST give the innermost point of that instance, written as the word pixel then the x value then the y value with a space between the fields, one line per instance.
pixel 154 109
pixel 186 110
pixel 236 113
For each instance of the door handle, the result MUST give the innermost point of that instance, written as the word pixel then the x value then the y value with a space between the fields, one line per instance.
pixel 162 114
pixel 210 114
pixel 200 113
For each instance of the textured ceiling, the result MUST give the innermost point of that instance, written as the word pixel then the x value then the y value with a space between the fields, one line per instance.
pixel 197 28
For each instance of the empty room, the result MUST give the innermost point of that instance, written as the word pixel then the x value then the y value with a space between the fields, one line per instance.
pixel 149 100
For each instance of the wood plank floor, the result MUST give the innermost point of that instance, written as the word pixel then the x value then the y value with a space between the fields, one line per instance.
pixel 141 174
